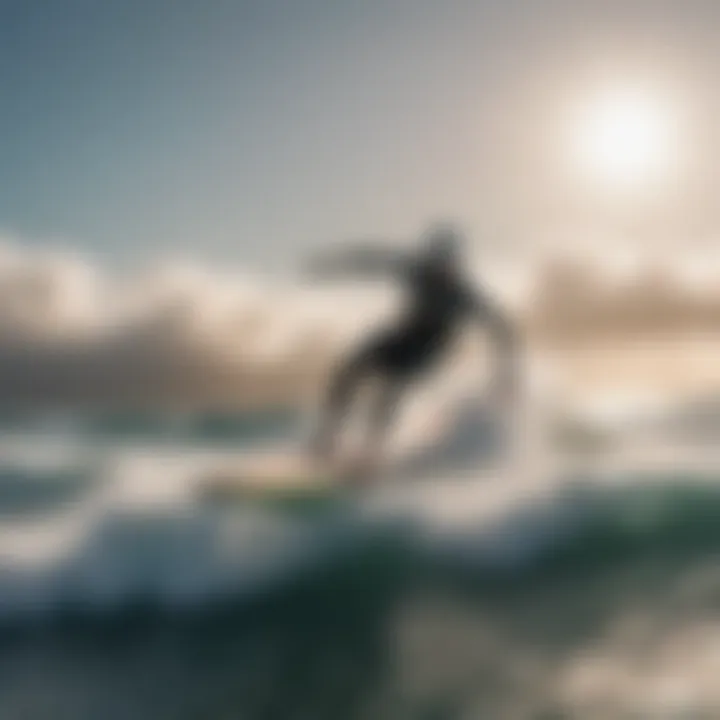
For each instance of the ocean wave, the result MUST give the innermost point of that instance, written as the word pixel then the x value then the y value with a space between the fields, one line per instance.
pixel 187 557
pixel 27 491
pixel 190 427
pixel 170 559
pixel 586 522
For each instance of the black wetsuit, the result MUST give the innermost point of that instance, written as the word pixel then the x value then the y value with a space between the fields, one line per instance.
pixel 439 302
pixel 437 305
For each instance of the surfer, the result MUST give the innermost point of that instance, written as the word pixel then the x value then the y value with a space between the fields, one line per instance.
pixel 441 300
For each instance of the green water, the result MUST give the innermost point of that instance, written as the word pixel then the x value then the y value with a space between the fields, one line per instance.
pixel 388 632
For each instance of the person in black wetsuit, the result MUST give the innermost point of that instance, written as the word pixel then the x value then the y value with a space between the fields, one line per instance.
pixel 441 300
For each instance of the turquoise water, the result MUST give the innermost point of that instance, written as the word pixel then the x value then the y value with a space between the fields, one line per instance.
pixel 123 596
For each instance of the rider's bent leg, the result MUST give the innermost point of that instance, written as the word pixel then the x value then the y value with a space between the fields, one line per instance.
pixel 382 414
pixel 340 394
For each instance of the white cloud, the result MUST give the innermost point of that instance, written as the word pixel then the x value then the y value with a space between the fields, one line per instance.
pixel 70 332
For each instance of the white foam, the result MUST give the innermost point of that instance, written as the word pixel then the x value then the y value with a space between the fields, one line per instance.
pixel 139 531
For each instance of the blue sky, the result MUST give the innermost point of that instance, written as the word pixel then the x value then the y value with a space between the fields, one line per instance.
pixel 254 130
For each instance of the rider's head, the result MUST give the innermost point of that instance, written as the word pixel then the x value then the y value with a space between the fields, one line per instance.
pixel 442 246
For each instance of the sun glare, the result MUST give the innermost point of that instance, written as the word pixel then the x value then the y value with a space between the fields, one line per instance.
pixel 625 140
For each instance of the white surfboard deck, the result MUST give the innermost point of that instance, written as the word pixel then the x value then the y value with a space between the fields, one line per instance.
pixel 279 473
pixel 282 472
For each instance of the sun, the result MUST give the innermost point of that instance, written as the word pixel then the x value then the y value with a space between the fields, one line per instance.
pixel 625 140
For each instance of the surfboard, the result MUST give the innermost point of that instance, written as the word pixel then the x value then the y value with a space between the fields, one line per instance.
pixel 289 477
pixel 288 480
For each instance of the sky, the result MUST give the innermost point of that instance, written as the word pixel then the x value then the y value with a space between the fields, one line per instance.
pixel 252 132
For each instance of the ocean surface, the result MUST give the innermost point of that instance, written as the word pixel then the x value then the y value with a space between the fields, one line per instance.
pixel 481 578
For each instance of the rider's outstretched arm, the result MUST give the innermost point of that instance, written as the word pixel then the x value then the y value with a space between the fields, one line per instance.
pixel 360 261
